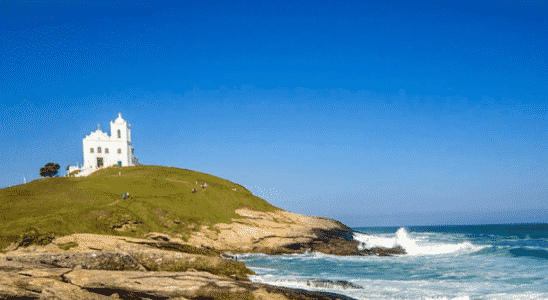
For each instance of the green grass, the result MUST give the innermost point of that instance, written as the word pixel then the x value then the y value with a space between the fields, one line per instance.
pixel 161 201
pixel 67 245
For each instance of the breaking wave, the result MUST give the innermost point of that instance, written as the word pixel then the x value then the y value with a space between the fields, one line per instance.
pixel 414 246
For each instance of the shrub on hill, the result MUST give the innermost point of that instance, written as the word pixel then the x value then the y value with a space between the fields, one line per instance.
pixel 49 170
pixel 35 236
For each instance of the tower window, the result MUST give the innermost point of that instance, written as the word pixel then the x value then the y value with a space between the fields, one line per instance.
pixel 119 133
pixel 90 150
pixel 98 149
pixel 132 150
pixel 106 150
pixel 119 151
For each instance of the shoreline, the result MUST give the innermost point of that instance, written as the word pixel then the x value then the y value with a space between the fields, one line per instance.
pixel 94 266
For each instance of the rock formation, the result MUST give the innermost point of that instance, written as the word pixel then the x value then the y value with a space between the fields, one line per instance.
pixel 159 266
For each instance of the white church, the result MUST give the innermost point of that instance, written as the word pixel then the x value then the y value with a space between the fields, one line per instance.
pixel 102 150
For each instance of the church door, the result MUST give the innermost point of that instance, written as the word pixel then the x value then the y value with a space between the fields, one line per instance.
pixel 99 162
pixel 119 163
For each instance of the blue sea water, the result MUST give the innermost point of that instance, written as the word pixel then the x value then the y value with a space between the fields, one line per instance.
pixel 507 261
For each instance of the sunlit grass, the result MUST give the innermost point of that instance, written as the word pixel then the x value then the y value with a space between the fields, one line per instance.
pixel 162 201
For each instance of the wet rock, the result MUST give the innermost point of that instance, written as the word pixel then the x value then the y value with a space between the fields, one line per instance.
pixel 325 283
pixel 343 247
pixel 334 284
pixel 380 251
pixel 178 247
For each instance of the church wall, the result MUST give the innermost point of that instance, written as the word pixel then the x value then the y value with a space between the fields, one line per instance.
pixel 109 159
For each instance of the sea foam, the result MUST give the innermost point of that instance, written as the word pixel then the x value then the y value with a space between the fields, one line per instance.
pixel 413 246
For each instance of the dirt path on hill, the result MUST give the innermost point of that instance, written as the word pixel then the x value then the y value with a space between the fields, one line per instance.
pixel 112 203
pixel 176 180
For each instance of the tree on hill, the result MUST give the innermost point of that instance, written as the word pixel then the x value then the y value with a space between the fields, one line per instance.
pixel 49 170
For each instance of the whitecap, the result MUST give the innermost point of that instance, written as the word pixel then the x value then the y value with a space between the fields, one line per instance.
pixel 412 245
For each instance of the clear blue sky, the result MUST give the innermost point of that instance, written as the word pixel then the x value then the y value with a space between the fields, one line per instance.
pixel 370 112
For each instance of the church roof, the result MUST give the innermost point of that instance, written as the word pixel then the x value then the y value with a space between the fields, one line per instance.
pixel 97 135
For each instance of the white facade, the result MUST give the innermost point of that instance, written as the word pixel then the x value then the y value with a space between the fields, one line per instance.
pixel 102 150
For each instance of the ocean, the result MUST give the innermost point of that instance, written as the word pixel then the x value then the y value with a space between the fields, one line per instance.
pixel 508 261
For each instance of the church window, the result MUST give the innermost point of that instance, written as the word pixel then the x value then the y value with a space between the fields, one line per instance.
pixel 132 150
pixel 119 134
pixel 119 151
pixel 106 150
pixel 90 150
pixel 98 149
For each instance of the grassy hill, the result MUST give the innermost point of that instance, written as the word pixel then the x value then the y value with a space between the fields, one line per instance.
pixel 162 201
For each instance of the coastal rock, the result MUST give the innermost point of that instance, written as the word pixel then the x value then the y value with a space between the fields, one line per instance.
pixel 15 266
pixel 12 292
pixel 162 266
pixel 132 258
pixel 380 251
pixel 45 276
pixel 282 232
pixel 157 284
pixel 106 260
pixel 15 286
pixel 269 231
pixel 162 260
pixel 190 285
pixel 325 283
pixel 52 273
pixel 255 232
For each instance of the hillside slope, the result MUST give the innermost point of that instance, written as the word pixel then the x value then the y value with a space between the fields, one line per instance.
pixel 162 201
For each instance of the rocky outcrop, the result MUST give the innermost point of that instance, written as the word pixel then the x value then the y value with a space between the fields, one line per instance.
pixel 283 232
pixel 128 268
pixel 37 286
pixel 160 266
pixel 134 258
pixel 37 279
pixel 105 260
pixel 324 283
